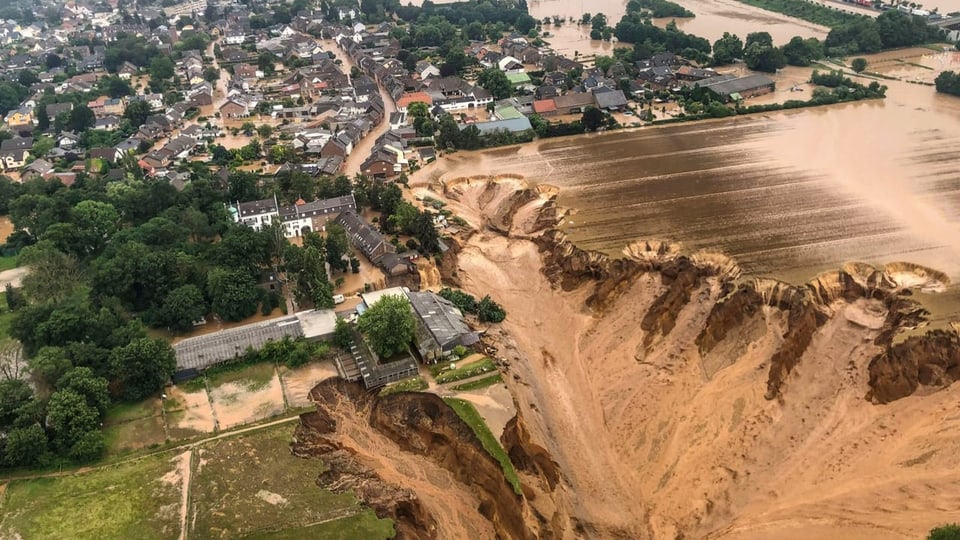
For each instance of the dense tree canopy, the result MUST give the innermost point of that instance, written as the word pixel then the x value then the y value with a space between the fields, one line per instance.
pixel 948 82
pixel 727 49
pixel 388 325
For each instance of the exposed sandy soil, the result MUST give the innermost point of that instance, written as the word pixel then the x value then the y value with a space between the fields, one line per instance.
pixel 298 382
pixel 6 228
pixel 655 440
pixel 235 404
pixel 494 403
pixel 188 413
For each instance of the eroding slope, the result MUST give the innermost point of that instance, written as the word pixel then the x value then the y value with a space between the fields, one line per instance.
pixel 679 400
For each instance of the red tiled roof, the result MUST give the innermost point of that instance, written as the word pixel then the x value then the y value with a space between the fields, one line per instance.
pixel 544 105
pixel 414 97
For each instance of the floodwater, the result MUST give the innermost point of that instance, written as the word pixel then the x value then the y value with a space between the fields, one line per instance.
pixel 714 17
pixel 788 194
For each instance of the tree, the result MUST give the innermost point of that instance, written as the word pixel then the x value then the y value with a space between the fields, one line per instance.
pixel 948 82
pixel 264 131
pixel 96 223
pixel 592 118
pixel 25 446
pixel 760 38
pixel 342 335
pixel 41 146
pixel 496 82
pixel 161 68
pixel 418 109
pixel 50 364
pixel 800 52
pixel 137 112
pixel 143 366
pixel 80 118
pixel 727 49
pixel 945 532
pixel 85 382
pixel 525 23
pixel 764 57
pixel 424 126
pixel 71 419
pixel 337 246
pixel 859 64
pixel 388 325
pixel 116 87
pixel 233 292
pixel 211 74
pixel 15 394
pixel 426 233
pixel 182 307
pixel 454 63
pixel 490 311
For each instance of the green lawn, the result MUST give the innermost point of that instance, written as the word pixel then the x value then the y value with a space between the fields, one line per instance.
pixel 413 384
pixel 464 371
pixel 469 414
pixel 253 377
pixel 479 383
pixel 252 484
pixel 122 502
pixel 132 426
pixel 6 263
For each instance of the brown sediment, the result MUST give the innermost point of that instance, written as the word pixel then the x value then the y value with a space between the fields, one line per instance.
pixel 411 458
pixel 649 381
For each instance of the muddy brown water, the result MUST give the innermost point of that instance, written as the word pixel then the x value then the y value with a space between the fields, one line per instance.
pixel 787 194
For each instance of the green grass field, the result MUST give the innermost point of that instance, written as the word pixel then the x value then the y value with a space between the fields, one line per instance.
pixel 465 371
pixel 479 383
pixel 132 426
pixel 362 526
pixel 414 384
pixel 466 411
pixel 253 377
pixel 6 263
pixel 125 501
pixel 251 484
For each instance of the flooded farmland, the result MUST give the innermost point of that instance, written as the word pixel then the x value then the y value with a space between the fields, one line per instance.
pixel 788 195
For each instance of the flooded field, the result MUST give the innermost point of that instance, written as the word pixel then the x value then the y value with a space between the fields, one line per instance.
pixel 714 17
pixel 788 195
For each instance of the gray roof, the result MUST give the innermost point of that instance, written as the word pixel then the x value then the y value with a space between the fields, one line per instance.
pixel 611 100
pixel 210 349
pixel 514 125
pixel 442 319
pixel 319 207
pixel 743 84
pixel 361 235
pixel 263 206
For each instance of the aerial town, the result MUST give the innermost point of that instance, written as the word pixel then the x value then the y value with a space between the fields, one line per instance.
pixel 519 269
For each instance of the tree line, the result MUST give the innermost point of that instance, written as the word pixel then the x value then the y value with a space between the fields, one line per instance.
pixel 109 260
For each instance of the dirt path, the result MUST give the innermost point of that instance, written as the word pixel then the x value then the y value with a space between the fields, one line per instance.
pixel 186 470
pixel 14 277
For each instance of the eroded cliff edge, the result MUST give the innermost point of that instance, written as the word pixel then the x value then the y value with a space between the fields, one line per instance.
pixel 411 458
